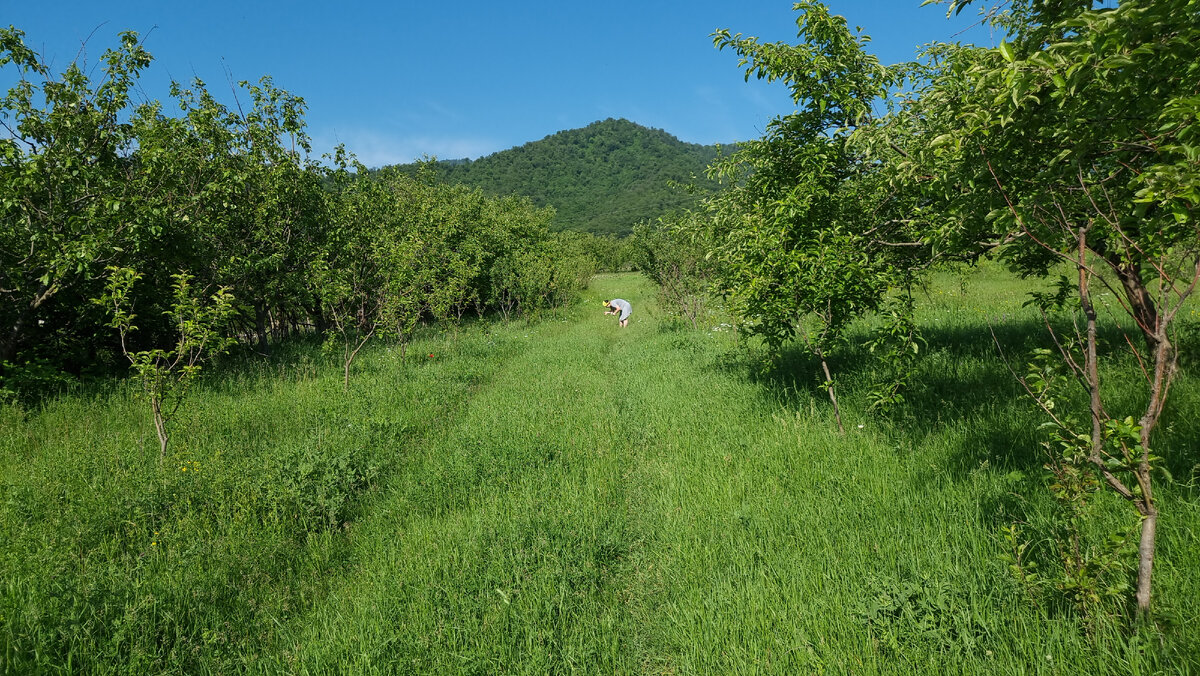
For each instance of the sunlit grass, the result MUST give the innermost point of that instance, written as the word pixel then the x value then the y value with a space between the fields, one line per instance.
pixel 569 496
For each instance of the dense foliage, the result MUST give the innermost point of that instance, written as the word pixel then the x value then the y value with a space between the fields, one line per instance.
pixel 602 178
pixel 92 183
pixel 806 236
pixel 1071 146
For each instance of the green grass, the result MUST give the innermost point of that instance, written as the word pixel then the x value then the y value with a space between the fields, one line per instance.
pixel 567 496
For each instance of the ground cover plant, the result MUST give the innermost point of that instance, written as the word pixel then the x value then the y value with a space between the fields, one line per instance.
pixel 564 495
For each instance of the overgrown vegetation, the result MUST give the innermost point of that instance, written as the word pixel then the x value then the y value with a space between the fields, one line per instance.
pixel 673 254
pixel 928 462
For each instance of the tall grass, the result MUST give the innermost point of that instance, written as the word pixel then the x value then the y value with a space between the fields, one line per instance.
pixel 570 496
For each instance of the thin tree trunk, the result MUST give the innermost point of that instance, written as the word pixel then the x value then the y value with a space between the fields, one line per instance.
pixel 160 426
pixel 1091 362
pixel 1146 559
pixel 1146 315
pixel 1164 368
pixel 837 413
pixel 350 355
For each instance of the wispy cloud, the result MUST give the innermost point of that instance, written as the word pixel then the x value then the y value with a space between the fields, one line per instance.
pixel 375 148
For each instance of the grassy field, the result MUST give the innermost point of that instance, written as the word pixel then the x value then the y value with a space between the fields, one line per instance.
pixel 566 496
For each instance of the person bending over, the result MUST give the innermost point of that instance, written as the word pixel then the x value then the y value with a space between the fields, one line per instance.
pixel 621 308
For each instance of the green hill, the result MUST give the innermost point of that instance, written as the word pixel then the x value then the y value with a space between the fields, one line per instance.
pixel 603 178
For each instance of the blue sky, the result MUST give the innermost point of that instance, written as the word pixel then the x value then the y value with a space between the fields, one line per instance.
pixel 395 81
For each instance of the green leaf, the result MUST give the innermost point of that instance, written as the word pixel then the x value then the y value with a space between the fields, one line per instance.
pixel 1006 51
pixel 941 140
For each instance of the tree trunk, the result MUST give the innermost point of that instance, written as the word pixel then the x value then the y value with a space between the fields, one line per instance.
pixel 1091 364
pixel 1164 369
pixel 260 327
pixel 8 347
pixel 351 354
pixel 1141 304
pixel 322 321
pixel 160 426
pixel 1145 313
pixel 1146 560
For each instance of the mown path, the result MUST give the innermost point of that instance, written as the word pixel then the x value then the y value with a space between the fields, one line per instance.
pixel 517 539
pixel 593 508
pixel 479 556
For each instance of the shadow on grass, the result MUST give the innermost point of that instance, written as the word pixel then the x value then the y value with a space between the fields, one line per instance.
pixel 962 380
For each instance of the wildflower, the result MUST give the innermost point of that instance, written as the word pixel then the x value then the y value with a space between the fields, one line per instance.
pixel 431 355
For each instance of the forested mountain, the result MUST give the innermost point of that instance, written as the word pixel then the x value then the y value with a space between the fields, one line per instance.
pixel 603 178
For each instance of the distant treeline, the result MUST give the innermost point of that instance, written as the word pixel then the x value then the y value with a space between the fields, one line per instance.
pixel 603 178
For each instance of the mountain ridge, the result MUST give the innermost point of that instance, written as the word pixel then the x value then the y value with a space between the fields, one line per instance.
pixel 603 178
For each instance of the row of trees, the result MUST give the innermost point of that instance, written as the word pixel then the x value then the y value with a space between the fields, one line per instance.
pixel 1073 143
pixel 95 186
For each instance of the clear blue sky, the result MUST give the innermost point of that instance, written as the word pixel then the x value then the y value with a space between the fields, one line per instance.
pixel 461 78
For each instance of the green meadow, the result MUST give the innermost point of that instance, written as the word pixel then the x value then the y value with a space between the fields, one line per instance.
pixel 564 496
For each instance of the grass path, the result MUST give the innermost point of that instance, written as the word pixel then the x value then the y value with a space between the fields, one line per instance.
pixel 520 536
pixel 613 501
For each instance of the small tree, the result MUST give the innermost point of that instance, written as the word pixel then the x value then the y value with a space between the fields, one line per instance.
pixel 803 237
pixel 1075 142
pixel 167 374
pixel 352 305
pixel 347 278
pixel 671 252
